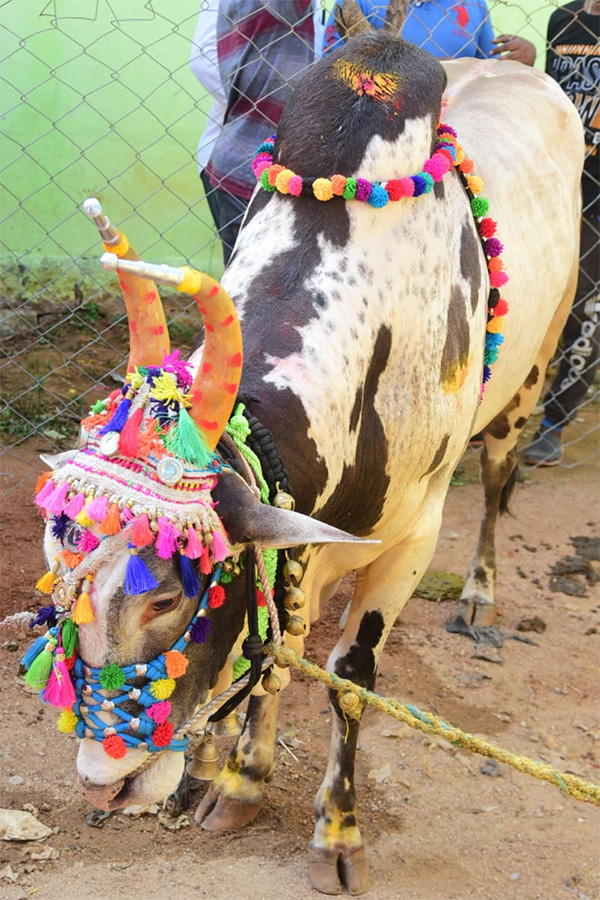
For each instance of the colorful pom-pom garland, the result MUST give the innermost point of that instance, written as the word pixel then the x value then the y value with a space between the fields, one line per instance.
pixel 447 154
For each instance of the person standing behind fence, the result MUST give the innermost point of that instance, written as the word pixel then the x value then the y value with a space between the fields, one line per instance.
pixel 205 66
pixel 262 47
pixel 573 60
pixel 445 28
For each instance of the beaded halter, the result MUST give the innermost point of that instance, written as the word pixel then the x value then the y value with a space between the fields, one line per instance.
pixel 447 154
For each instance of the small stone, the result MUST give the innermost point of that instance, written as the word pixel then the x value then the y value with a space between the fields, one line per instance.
pixel 532 624
pixel 12 646
pixel 16 825
pixel 16 779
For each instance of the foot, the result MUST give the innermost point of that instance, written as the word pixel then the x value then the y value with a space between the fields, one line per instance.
pixel 545 449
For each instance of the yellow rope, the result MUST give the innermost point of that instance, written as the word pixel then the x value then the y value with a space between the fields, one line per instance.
pixel 353 697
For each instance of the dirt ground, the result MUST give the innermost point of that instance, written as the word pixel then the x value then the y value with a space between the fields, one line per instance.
pixel 436 821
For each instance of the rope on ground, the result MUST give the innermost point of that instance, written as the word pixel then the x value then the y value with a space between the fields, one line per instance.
pixel 353 697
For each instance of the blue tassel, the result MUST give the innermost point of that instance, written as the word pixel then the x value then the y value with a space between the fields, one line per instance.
pixel 189 577
pixel 119 418
pixel 34 650
pixel 46 615
pixel 138 578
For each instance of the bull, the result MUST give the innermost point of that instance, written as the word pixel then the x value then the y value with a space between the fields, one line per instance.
pixel 364 331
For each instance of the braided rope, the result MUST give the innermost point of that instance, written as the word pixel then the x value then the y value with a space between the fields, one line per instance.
pixel 430 724
pixel 268 594
pixel 239 430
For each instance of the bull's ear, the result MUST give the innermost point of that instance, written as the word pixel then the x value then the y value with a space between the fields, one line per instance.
pixel 247 520
pixel 57 460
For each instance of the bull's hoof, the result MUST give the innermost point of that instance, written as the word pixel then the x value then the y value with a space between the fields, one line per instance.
pixel 180 799
pixel 219 813
pixel 477 611
pixel 330 869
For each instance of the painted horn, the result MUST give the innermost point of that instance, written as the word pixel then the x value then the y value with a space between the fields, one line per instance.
pixel 216 383
pixel 148 331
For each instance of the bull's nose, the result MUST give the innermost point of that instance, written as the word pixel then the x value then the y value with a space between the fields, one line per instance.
pixel 99 795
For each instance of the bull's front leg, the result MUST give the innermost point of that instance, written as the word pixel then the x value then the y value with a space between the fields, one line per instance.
pixel 235 796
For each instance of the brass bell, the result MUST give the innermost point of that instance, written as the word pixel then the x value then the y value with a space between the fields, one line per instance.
pixel 271 683
pixel 229 726
pixel 293 571
pixel 295 625
pixel 283 500
pixel 294 598
pixel 204 764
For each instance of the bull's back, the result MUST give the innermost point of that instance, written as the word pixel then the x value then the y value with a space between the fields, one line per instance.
pixel 526 140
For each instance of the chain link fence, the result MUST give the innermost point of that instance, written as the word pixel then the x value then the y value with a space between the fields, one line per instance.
pixel 98 99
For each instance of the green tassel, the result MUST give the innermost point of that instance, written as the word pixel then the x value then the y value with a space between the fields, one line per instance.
pixel 39 671
pixel 98 407
pixel 68 636
pixel 188 442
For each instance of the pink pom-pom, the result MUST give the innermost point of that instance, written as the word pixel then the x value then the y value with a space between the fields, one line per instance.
pixel 260 164
pixel 487 228
pixel 160 711
pixel 97 509
pixel 407 186
pixel 497 279
pixel 44 494
pixel 193 548
pixel 219 547
pixel 493 247
pixel 56 502
pixel 295 186
pixel 168 535
pixel 87 542
pixel 437 168
pixel 74 506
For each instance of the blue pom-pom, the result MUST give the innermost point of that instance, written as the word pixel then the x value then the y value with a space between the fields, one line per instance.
pixel 189 577
pixel 138 578
pixel 419 184
pixel 59 526
pixel 34 651
pixel 487 374
pixel 493 339
pixel 46 615
pixel 200 630
pixel 379 196
pixel 117 423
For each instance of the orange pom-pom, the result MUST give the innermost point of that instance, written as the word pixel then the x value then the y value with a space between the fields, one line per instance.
pixel 112 522
pixel 71 560
pixel 495 264
pixel 273 172
pixel 176 663
pixel 41 481
pixel 338 183
pixel 323 189
pixel 466 166
pixel 495 325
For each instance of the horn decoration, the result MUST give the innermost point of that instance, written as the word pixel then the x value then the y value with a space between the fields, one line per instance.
pixel 148 332
pixel 216 383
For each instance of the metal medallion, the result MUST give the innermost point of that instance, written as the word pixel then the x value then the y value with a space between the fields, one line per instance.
pixel 169 470
pixel 109 444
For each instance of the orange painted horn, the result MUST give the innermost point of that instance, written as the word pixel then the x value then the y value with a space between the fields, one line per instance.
pixel 216 383
pixel 148 331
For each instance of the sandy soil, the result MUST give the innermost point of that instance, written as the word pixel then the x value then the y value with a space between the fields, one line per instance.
pixel 437 822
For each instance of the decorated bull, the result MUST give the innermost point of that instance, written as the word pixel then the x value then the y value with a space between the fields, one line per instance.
pixel 380 332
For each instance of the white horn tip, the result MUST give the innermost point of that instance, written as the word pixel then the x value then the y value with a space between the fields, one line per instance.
pixel 109 261
pixel 92 207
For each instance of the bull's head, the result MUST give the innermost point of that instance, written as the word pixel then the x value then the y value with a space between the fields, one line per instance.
pixel 145 521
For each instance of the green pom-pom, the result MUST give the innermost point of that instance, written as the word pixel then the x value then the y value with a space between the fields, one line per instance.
pixel 349 189
pixel 111 677
pixel 264 180
pixel 426 177
pixel 479 207
pixel 98 407
pixel 69 636
pixel 38 672
pixel 188 442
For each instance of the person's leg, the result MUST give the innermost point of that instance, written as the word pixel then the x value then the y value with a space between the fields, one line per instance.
pixel 580 354
pixel 211 195
pixel 231 213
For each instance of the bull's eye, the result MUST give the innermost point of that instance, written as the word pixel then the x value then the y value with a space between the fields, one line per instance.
pixel 72 536
pixel 160 606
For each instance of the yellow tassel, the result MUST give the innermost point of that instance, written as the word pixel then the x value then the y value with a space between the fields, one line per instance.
pixel 46 582
pixel 66 721
pixel 83 613
pixel 83 519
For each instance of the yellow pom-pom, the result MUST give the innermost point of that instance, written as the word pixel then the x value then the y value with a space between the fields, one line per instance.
pixel 282 182
pixel 475 184
pixel 175 663
pixel 46 582
pixel 67 721
pixel 82 611
pixel 162 688
pixel 460 155
pixel 323 189
pixel 495 325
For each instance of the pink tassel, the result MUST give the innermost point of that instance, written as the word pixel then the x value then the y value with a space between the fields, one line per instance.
pixel 129 439
pixel 87 542
pixel 59 691
pixel 219 547
pixel 56 503
pixel 97 508
pixel 193 548
pixel 205 563
pixel 74 506
pixel 126 514
pixel 43 495
pixel 141 533
pixel 166 542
